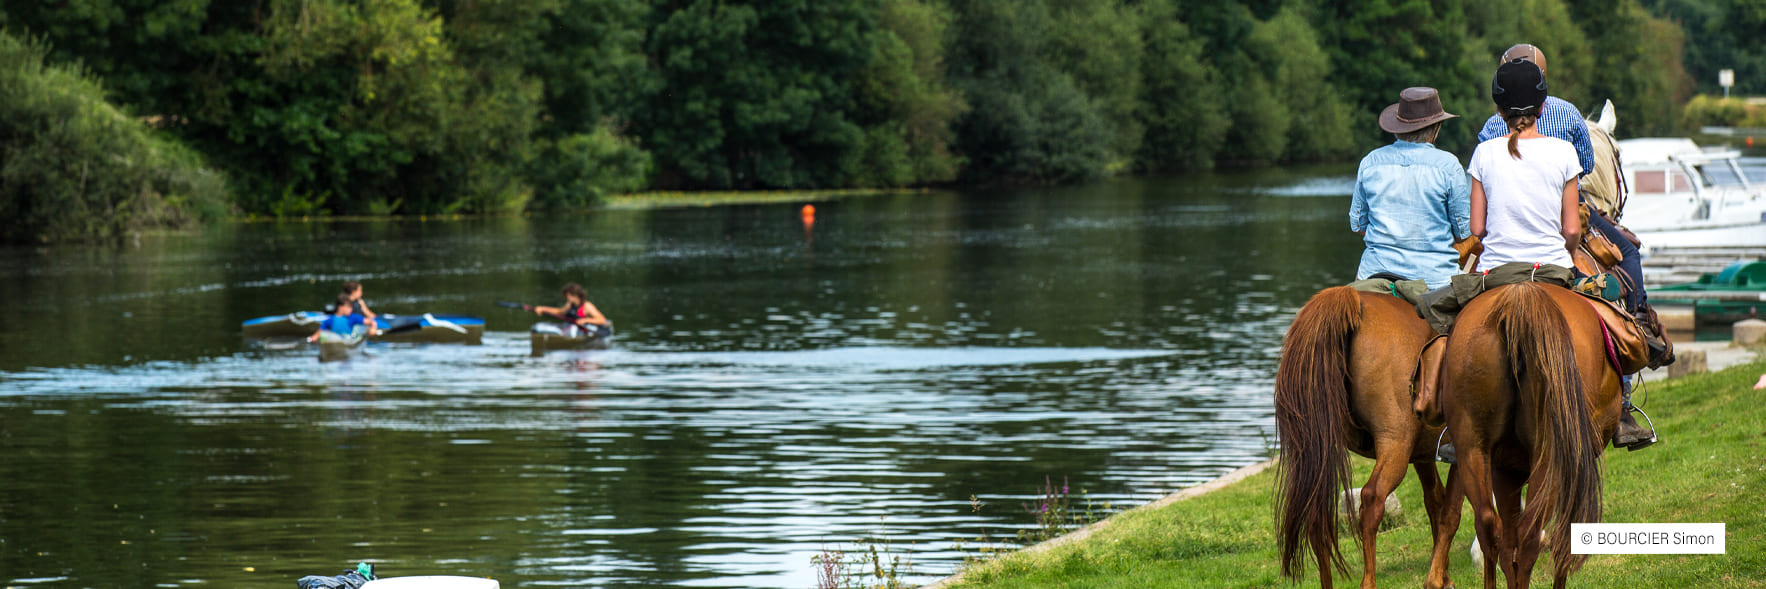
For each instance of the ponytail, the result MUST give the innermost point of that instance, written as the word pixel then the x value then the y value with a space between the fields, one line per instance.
pixel 1516 124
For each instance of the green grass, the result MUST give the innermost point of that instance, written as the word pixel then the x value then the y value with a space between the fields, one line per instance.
pixel 1709 467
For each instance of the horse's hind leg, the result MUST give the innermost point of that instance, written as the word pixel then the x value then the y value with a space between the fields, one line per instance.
pixel 1523 546
pixel 1474 465
pixel 1443 503
pixel 1388 472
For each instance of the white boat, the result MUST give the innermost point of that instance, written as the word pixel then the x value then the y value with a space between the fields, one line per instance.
pixel 1685 196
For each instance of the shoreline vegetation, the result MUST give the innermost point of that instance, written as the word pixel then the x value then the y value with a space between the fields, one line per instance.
pixel 300 108
pixel 1708 469
pixel 623 202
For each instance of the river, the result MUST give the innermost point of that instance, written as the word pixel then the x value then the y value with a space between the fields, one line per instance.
pixel 777 388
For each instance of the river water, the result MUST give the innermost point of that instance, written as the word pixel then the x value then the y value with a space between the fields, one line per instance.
pixel 776 388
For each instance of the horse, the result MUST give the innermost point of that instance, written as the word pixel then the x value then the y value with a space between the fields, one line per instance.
pixel 1530 400
pixel 1343 385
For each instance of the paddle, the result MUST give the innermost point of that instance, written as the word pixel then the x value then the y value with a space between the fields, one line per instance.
pixel 509 305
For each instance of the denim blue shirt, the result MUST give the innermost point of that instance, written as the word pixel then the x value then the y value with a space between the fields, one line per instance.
pixel 1413 201
pixel 1560 119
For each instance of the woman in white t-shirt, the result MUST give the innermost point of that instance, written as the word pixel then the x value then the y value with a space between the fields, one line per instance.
pixel 1524 183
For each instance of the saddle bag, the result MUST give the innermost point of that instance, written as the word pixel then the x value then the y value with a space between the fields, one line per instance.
pixel 1630 352
pixel 1597 244
pixel 1602 249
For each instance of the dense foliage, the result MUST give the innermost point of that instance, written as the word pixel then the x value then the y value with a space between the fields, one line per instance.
pixel 73 167
pixel 420 106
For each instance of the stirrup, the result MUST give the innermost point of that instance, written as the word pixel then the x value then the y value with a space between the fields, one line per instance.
pixel 1450 455
pixel 1649 424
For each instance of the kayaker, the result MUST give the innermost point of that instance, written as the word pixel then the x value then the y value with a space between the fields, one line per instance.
pixel 344 320
pixel 577 309
pixel 353 290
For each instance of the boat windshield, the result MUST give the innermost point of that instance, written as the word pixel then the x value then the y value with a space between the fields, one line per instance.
pixel 1749 171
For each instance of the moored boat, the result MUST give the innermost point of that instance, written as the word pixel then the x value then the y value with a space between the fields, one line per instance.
pixel 1683 195
pixel 552 335
pixel 1744 281
pixel 425 328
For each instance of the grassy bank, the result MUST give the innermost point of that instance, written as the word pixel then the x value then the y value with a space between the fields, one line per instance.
pixel 665 200
pixel 1710 467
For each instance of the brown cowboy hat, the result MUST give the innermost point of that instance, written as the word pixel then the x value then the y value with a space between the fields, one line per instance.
pixel 1416 108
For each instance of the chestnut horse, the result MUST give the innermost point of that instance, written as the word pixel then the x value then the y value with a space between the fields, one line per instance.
pixel 1344 386
pixel 1530 400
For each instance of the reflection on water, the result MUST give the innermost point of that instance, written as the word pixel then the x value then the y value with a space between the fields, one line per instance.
pixel 772 393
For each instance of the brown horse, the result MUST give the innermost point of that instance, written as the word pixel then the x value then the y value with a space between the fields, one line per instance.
pixel 1344 386
pixel 1530 400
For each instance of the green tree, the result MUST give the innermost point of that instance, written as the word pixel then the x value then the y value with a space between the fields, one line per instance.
pixel 1182 106
pixel 904 101
pixel 593 64
pixel 1727 36
pixel 759 94
pixel 1379 47
pixel 1098 43
pixel 1029 121
pixel 1496 25
pixel 1637 63
pixel 1299 72
pixel 78 168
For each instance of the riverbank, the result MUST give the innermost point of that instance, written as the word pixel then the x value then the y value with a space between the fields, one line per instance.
pixel 633 201
pixel 677 199
pixel 1708 468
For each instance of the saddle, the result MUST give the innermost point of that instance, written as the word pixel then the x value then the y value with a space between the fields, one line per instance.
pixel 1625 346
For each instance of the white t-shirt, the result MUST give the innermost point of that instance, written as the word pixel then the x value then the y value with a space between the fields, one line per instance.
pixel 1523 200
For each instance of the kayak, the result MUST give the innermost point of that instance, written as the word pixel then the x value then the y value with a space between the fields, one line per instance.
pixel 428 327
pixel 552 335
pixel 335 346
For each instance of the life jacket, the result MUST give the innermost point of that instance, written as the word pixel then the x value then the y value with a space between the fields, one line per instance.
pixel 575 312
pixel 342 324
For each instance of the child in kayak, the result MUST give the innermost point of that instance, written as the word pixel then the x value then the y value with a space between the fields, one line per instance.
pixel 353 290
pixel 577 309
pixel 344 320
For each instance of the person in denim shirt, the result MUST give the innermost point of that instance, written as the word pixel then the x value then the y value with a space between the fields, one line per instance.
pixel 1411 201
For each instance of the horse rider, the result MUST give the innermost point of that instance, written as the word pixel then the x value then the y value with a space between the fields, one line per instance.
pixel 1411 200
pixel 1559 119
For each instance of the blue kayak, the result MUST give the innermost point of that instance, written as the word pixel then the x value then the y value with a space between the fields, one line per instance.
pixel 428 327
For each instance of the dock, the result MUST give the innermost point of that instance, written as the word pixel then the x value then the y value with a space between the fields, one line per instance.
pixel 1665 266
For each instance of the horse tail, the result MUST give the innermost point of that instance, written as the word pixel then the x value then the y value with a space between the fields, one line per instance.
pixel 1564 486
pixel 1312 418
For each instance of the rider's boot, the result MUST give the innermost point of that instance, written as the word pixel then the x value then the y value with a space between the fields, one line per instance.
pixel 1444 453
pixel 1630 435
pixel 1661 352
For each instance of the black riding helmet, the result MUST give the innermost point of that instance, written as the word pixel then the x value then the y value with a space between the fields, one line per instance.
pixel 1518 88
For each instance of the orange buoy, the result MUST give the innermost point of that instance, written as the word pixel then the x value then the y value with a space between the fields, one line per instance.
pixel 810 210
pixel 1750 141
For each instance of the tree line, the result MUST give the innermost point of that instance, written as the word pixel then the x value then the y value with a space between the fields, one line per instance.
pixel 441 106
